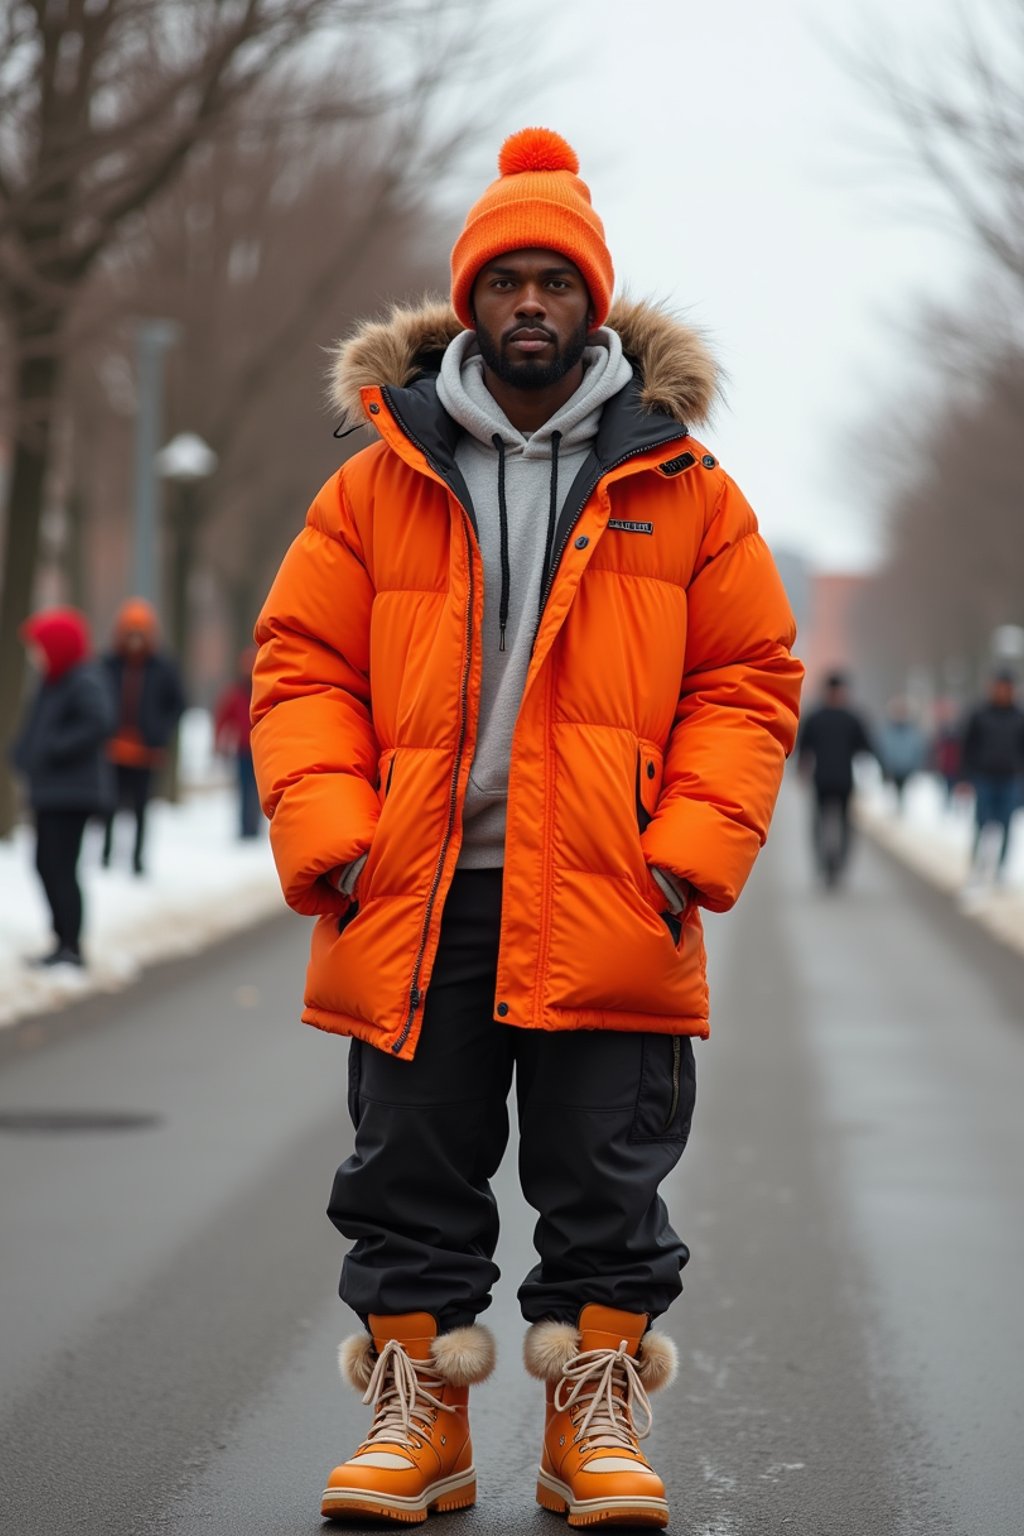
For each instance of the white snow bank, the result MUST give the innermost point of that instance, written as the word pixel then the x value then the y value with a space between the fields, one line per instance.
pixel 935 838
pixel 201 883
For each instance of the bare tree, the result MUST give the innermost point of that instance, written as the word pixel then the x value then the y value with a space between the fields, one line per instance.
pixel 958 110
pixel 954 568
pixel 264 250
pixel 950 480
pixel 102 103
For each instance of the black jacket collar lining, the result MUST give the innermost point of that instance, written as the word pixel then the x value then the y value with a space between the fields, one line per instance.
pixel 626 429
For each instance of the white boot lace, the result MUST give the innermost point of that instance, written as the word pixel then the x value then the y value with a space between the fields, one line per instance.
pixel 401 1392
pixel 608 1382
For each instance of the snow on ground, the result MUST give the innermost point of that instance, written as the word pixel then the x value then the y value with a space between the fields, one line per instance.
pixel 935 836
pixel 201 883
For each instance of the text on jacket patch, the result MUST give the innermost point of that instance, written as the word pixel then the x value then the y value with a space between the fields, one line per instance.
pixel 625 525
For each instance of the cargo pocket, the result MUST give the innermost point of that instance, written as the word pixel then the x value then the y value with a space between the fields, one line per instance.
pixel 667 1091
pixel 355 1072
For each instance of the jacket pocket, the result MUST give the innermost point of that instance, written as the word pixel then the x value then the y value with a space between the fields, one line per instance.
pixel 674 923
pixel 667 1092
pixel 385 779
pixel 649 769
pixel 386 772
pixel 350 912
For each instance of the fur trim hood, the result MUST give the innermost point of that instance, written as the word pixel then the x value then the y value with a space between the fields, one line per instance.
pixel 677 374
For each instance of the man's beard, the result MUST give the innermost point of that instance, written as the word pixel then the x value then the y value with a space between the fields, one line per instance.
pixel 529 373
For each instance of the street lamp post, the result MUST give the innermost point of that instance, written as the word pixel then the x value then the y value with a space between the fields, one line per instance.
pixel 184 462
pixel 153 339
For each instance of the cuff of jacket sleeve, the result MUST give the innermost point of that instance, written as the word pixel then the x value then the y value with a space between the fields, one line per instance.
pixel 347 877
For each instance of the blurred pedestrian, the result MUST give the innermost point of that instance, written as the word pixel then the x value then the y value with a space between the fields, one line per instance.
pixel 947 747
pixel 831 737
pixel 523 702
pixel 232 732
pixel 60 752
pixel 901 747
pixel 150 699
pixel 993 760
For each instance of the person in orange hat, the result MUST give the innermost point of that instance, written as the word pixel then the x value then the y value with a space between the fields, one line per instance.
pixel 147 685
pixel 522 705
pixel 60 751
pixel 232 735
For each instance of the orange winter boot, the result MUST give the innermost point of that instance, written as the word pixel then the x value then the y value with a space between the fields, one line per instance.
pixel 597 1378
pixel 417 1458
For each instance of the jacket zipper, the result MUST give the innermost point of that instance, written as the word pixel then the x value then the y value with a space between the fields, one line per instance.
pixel 415 995
pixel 677 1062
pixel 607 470
pixel 549 583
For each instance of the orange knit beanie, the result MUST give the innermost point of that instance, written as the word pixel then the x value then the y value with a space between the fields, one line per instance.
pixel 538 201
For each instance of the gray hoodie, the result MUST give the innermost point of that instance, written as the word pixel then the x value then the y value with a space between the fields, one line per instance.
pixel 536 482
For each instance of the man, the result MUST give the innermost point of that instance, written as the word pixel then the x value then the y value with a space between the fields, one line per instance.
pixel 147 686
pixel 232 735
pixel 522 705
pixel 902 748
pixel 831 736
pixel 60 752
pixel 993 759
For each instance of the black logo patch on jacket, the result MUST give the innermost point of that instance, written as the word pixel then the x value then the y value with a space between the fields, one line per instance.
pixel 626 525
pixel 677 465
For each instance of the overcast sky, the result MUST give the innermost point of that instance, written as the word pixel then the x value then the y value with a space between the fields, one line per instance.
pixel 723 144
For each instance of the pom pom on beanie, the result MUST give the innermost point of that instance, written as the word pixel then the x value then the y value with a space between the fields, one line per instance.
pixel 537 149
pixel 538 202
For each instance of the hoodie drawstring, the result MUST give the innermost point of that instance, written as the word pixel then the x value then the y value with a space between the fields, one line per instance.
pixel 506 579
pixel 506 574
pixel 556 438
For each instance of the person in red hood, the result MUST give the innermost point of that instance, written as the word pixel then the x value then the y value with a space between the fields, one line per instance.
pixel 147 686
pixel 232 728
pixel 60 752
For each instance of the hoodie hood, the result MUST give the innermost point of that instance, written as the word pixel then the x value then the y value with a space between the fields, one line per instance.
pixel 464 394
pixel 676 374
pixel 62 634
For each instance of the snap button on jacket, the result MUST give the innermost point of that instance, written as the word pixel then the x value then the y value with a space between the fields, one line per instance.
pixel 660 704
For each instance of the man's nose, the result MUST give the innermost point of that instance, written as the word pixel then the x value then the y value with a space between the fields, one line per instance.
pixel 531 302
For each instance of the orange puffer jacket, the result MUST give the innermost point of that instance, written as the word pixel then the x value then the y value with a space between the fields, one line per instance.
pixel 658 711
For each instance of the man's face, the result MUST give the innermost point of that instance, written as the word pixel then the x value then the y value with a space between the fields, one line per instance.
pixel 134 642
pixel 1002 692
pixel 532 313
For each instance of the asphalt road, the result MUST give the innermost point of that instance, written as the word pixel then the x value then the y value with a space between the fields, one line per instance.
pixel 852 1331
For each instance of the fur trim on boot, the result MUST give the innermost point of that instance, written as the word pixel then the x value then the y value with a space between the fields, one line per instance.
pixel 464 1357
pixel 548 1348
pixel 658 1361
pixel 356 1359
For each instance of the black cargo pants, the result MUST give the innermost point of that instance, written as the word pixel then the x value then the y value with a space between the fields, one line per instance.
pixel 603 1118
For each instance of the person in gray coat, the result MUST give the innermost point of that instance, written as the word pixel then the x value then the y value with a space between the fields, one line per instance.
pixel 60 752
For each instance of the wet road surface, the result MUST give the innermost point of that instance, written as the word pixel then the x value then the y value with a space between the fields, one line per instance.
pixel 852 1330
